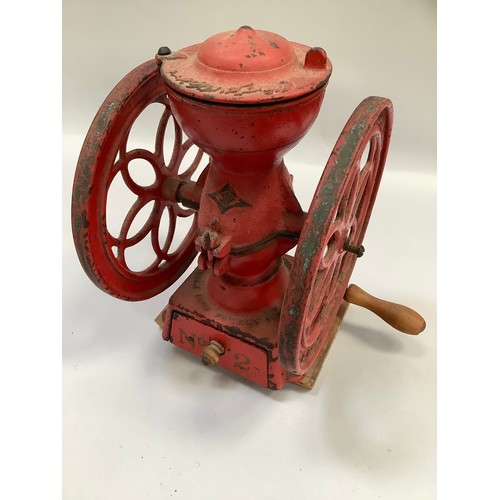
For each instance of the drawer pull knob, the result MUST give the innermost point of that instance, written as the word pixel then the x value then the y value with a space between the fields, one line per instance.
pixel 212 353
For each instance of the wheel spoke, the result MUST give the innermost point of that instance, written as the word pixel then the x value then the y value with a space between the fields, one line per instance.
pixel 129 219
pixel 188 173
pixel 160 135
pixel 321 286
pixel 347 196
pixel 120 256
pixel 336 228
pixel 119 165
pixel 116 243
pixel 144 154
pixel 175 160
pixel 181 152
pixel 182 212
pixel 155 231
pixel 135 188
pixel 364 180
pixel 122 148
pixel 162 250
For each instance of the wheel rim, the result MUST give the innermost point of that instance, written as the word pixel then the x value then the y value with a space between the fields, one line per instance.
pixel 337 219
pixel 106 158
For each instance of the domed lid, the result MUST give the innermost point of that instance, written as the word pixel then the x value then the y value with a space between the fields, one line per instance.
pixel 246 66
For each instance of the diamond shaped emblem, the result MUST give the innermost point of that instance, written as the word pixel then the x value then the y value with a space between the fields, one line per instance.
pixel 226 199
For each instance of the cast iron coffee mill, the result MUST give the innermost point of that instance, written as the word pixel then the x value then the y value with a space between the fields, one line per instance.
pixel 243 99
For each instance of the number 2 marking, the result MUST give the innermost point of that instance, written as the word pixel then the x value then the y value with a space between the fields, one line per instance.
pixel 242 365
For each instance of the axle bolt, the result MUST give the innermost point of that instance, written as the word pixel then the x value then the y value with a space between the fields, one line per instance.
pixel 359 251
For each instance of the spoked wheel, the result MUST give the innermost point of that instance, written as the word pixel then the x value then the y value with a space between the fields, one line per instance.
pixel 333 233
pixel 105 159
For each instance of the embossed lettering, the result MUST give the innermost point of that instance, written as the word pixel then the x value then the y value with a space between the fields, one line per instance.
pixel 184 335
pixel 242 365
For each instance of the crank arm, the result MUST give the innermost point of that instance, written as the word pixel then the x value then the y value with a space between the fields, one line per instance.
pixel 400 317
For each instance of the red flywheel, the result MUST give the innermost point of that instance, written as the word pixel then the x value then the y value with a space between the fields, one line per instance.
pixel 333 233
pixel 105 156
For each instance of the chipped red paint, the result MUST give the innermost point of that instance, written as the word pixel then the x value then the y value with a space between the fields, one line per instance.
pixel 257 330
pixel 338 217
pixel 245 98
pixel 239 356
pixel 246 143
pixel 105 155
pixel 246 66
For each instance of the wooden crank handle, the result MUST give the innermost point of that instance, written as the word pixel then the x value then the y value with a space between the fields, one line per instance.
pixel 400 317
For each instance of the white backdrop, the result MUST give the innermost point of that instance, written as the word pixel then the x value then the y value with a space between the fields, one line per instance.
pixel 144 420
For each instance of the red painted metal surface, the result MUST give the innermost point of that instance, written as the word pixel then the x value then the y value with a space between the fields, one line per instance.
pixel 337 219
pixel 105 155
pixel 241 357
pixel 249 216
pixel 246 66
pixel 245 98
pixel 257 329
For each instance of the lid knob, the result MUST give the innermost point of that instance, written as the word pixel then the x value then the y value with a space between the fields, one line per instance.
pixel 315 58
